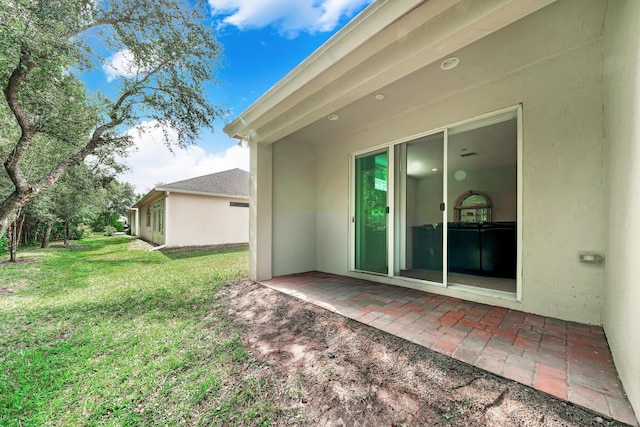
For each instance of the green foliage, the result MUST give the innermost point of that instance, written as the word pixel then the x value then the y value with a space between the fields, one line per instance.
pixel 109 335
pixel 76 199
pixel 4 239
pixel 51 120
pixel 116 198
pixel 109 230
pixel 80 232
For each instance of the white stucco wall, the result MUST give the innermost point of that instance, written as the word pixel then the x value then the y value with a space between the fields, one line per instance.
pixel 294 208
pixel 146 231
pixel 551 62
pixel 260 211
pixel 195 220
pixel 622 115
pixel 132 219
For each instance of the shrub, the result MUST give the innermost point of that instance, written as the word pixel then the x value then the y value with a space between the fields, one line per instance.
pixel 4 239
pixel 80 232
pixel 109 230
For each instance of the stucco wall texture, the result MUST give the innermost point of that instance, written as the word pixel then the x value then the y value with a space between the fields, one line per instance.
pixel 194 220
pixel 621 314
pixel 559 85
pixel 573 67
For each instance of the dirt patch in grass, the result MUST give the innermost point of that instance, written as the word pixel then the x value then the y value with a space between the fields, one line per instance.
pixel 7 286
pixel 329 370
pixel 5 291
pixel 70 247
pixel 20 261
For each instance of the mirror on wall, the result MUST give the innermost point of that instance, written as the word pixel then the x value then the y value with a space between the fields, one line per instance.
pixel 473 206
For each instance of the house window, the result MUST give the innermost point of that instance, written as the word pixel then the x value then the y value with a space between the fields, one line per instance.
pixel 239 204
pixel 158 210
pixel 149 216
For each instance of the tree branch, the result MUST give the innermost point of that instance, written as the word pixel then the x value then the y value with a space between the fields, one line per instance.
pixel 133 90
pixel 98 23
pixel 55 173
pixel 26 130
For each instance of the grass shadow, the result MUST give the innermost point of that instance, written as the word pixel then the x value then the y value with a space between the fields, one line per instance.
pixel 199 251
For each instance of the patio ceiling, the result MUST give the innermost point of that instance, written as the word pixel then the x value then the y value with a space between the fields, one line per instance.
pixel 389 48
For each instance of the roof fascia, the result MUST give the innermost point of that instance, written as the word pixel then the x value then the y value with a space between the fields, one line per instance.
pixel 151 195
pixel 201 193
pixel 365 25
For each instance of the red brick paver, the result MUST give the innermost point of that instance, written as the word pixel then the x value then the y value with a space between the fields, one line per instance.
pixel 568 360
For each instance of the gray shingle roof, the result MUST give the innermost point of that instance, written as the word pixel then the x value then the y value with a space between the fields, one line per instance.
pixel 234 182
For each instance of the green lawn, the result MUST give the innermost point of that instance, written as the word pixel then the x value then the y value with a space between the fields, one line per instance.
pixel 111 334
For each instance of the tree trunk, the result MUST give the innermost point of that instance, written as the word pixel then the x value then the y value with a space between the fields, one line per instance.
pixel 66 233
pixel 20 223
pixel 14 236
pixel 9 209
pixel 46 235
pixel 12 242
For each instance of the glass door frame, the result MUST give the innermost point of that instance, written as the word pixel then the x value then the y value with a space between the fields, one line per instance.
pixel 391 203
pixel 352 208
pixel 392 240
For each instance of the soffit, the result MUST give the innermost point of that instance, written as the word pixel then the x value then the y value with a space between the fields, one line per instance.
pixel 552 33
pixel 150 197
pixel 420 38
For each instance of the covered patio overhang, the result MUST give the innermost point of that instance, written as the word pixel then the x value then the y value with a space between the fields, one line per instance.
pixel 390 49
pixel 387 42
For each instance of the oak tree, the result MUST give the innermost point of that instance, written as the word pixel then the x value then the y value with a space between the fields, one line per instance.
pixel 49 49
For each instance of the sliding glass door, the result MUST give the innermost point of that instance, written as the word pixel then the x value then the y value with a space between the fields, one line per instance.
pixel 371 211
pixel 483 191
pixel 419 208
pixel 454 203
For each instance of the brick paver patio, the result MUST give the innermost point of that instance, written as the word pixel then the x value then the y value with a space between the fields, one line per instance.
pixel 568 360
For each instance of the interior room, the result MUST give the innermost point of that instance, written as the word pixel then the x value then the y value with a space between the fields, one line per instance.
pixel 481 169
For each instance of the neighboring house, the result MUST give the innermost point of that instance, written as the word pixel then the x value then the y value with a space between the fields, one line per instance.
pixel 206 210
pixel 530 146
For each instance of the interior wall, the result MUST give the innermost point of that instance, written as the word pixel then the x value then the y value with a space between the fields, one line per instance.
pixel 294 208
pixel 551 62
pixel 196 220
pixel 413 217
pixel 622 120
pixel 500 184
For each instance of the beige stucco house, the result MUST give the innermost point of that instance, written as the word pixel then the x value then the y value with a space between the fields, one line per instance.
pixel 206 210
pixel 486 150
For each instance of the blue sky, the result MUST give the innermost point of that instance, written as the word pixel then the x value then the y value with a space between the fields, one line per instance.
pixel 263 40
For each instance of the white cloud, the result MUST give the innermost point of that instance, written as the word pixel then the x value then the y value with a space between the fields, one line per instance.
pixel 153 163
pixel 121 64
pixel 290 17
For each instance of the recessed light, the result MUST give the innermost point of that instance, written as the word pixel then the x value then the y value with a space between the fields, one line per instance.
pixel 333 117
pixel 434 169
pixel 450 63
pixel 379 96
